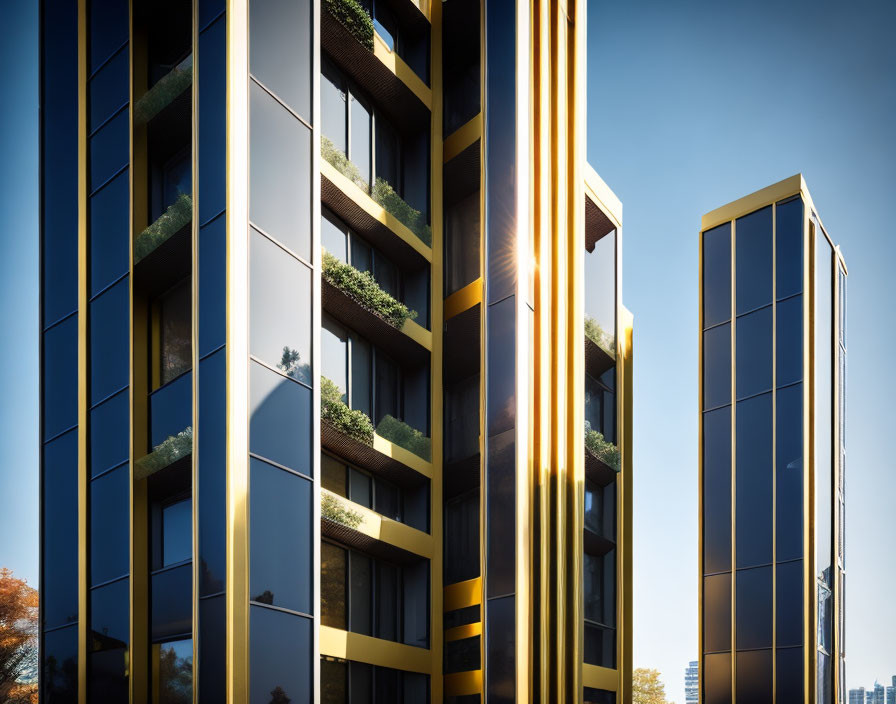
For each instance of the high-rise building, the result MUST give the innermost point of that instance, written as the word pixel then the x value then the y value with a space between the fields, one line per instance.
pixel 880 693
pixel 772 438
pixel 857 696
pixel 336 383
pixel 692 682
pixel 891 694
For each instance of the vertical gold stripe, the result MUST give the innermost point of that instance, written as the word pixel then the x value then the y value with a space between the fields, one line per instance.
pixel 625 623
pixel 194 332
pixel 734 462
pixel 482 316
pixel 811 591
pixel 701 659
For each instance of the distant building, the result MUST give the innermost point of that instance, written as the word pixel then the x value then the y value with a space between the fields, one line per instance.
pixel 857 696
pixel 877 696
pixel 692 682
pixel 891 693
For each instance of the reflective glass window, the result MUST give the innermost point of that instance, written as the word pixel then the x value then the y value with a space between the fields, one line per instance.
pixel 280 182
pixel 361 682
pixel 789 603
pixel 753 234
pixel 717 366
pixel 280 419
pixel 60 377
pixel 172 602
pixel 108 646
pixel 109 233
pixel 59 541
pixel 279 657
pixel 789 470
pixel 462 538
pixel 212 486
pixel 333 573
pixel 280 535
pixel 462 234
pixel 789 341
pixel 108 29
pixel 108 89
pixel 170 410
pixel 600 293
pixel 333 235
pixel 387 499
pixel 175 332
pixel 212 649
pixel 598 696
pixel 789 674
pixel 280 50
pixel 212 285
pixel 717 490
pixel 754 477
pixel 501 378
pixel 599 588
pixel 333 97
pixel 462 419
pixel 280 313
pixel 333 680
pixel 361 397
pixel 788 248
pixel 110 433
pixel 717 613
pixel 360 127
pixel 716 678
pixel 754 353
pixel 110 525
pixel 177 532
pixel 386 589
pixel 823 408
pixel 208 10
pixel 360 594
pixel 333 475
pixel 753 608
pixel 109 149
pixel 386 389
pixel 717 275
pixel 600 646
pixel 334 354
pixel 500 514
pixel 754 677
pixel 59 670
pixel 212 117
pixel 109 342
pixel 388 156
pixel 500 655
pixel 415 590
pixel 174 663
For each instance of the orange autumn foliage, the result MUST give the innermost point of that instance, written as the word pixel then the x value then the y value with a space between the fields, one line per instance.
pixel 18 639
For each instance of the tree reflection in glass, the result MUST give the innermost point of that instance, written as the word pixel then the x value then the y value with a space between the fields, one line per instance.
pixel 175 668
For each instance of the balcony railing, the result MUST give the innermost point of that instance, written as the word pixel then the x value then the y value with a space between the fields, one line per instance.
pixel 178 216
pixel 601 448
pixel 164 92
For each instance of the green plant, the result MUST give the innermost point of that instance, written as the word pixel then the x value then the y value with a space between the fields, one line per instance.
pixel 178 215
pixel 363 288
pixel 602 449
pixel 354 18
pixel 405 436
pixel 334 510
pixel 414 220
pixel 290 365
pixel 339 161
pixel 167 452
pixel 599 336
pixel 333 410
pixel 163 93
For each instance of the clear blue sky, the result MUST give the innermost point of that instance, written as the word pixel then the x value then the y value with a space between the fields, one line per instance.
pixel 691 105
pixel 694 104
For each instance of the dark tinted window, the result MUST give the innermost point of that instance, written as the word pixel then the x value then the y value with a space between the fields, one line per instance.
pixel 208 10
pixel 754 481
pixel 789 674
pixel 753 234
pixel 109 233
pixel 462 538
pixel 789 603
pixel 501 514
pixel 108 89
pixel 59 673
pixel 598 696
pixel 109 615
pixel 823 408
pixel 59 592
pixel 212 472
pixel 171 409
pixel 175 331
pixel 716 679
pixel 212 649
pixel 279 657
pixel 753 621
pixel 789 341
pixel 177 532
pixel 789 469
pixel 333 576
pixel 789 248
pixel 110 527
pixel 109 343
pixel 754 677
pixel 175 668
pixel 280 530
pixel 280 426
pixel 717 366
pixel 360 594
pixel 212 283
pixel 500 655
pixel 110 433
pixel 500 406
pixel 109 150
pixel 60 377
pixel 717 613
pixel 212 120
pixel 108 29
pixel 172 602
pixel 754 353
pixel 717 275
pixel 717 490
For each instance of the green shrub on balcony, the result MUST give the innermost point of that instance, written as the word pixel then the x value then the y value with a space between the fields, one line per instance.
pixel 414 220
pixel 354 18
pixel 602 449
pixel 173 448
pixel 163 93
pixel 363 288
pixel 405 436
pixel 339 161
pixel 333 410
pixel 599 336
pixel 333 509
pixel 178 215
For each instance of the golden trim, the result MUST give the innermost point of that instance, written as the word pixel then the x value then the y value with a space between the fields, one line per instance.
pixel 599 193
pixel 418 334
pixel 460 595
pixel 463 137
pixel 754 201
pixel 404 73
pixel 625 635
pixel 601 678
pixel 462 684
pixel 336 643
pixel 463 299
pixel 406 457
pixel 468 630
pixel 810 582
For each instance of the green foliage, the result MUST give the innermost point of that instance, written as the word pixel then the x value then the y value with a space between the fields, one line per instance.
pixel 163 93
pixel 354 423
pixel 333 509
pixel 354 18
pixel 339 161
pixel 604 450
pixel 178 215
pixel 363 288
pixel 405 436
pixel 290 365
pixel 167 452
pixel 599 336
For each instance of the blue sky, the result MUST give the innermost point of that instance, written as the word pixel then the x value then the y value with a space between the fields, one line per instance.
pixel 692 105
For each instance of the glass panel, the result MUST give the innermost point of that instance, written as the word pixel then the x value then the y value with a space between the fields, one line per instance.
pixel 361 682
pixel 388 155
pixel 177 532
pixel 598 696
pixel 361 376
pixel 789 674
pixel 280 425
pixel 174 663
pixel 280 535
pixel 599 588
pixel 462 419
pixel 717 679
pixel 386 275
pixel 280 50
pixel 280 314
pixel 333 235
pixel 108 29
pixel 109 342
pixel 212 487
pixel 753 597
pixel 109 149
pixel 386 601
pixel 59 674
pixel 754 481
pixel 171 409
pixel 789 468
pixel 109 233
pixel 360 618
pixel 359 139
pixel 334 354
pixel 334 680
pixel 754 677
pixel 332 475
pixel 108 646
pixel 110 432
pixel 212 649
pixel 387 499
pixel 59 541
pixel 279 657
pixel 212 285
pixel 415 604
pixel 788 248
pixel 110 528
pixel 175 332
pixel 359 489
pixel 500 407
pixel 501 514
pixel 500 654
pixel 386 390
pixel 600 646
pixel 600 294
pixel 172 602
pixel 754 353
pixel 60 377
pixel 753 234
pixel 789 603
pixel 717 366
pixel 333 99
pixel 462 538
pixel 823 409
pixel 717 491
pixel 789 341
pixel 212 114
pixel 416 687
pixel 333 606
pixel 462 243
pixel 717 613
pixel 717 275
pixel 280 184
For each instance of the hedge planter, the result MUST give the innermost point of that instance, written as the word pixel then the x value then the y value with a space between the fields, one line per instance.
pixel 178 215
pixel 165 453
pixel 163 93
pixel 363 288
pixel 603 450
pixel 599 336
pixel 348 421
pixel 354 18
pixel 333 509
pixel 403 435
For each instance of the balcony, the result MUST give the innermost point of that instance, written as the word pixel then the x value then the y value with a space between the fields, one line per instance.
pixel 169 97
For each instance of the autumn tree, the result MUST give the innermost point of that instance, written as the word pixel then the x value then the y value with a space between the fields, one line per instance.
pixel 647 687
pixel 18 638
